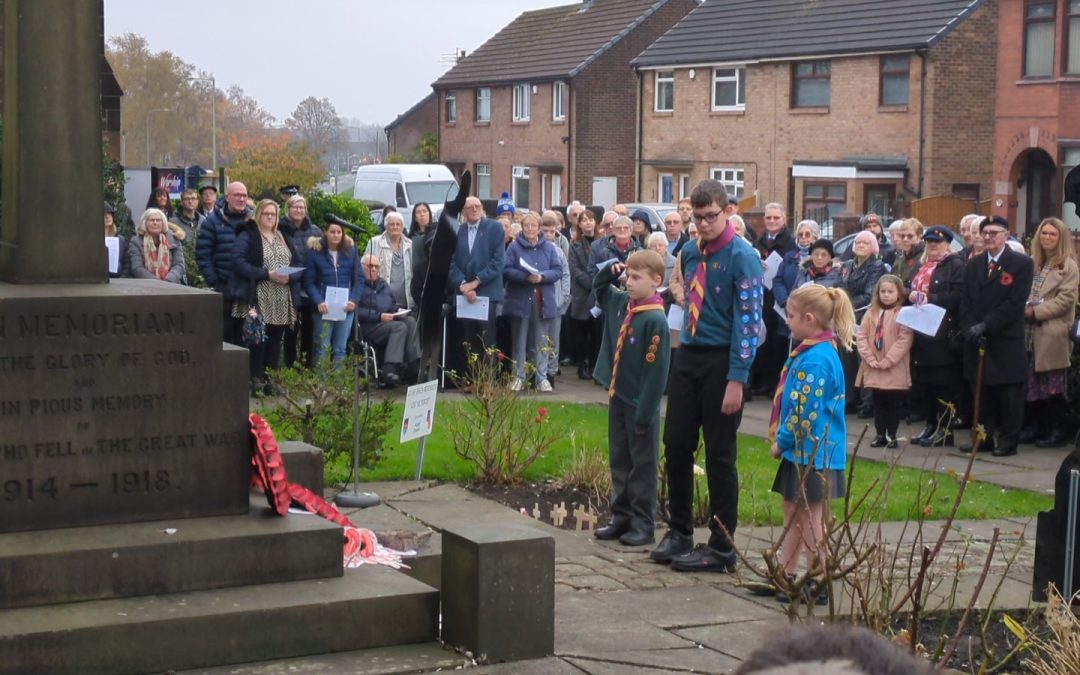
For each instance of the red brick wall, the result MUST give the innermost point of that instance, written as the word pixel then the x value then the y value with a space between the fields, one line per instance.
pixel 405 137
pixel 605 101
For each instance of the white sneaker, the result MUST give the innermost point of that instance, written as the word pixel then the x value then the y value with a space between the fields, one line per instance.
pixel 545 386
pixel 516 384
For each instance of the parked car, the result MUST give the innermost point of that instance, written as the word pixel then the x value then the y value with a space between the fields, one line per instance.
pixel 405 185
pixel 657 212
pixel 842 246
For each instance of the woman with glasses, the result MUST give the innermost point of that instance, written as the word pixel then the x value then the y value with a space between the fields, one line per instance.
pixel 154 253
pixel 395 253
pixel 907 238
pixel 297 225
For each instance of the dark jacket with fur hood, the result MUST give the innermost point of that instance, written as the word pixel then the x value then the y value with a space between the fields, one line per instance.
pixel 322 270
pixel 247 265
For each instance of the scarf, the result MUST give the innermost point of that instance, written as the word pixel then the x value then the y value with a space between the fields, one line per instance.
pixel 816 272
pixel 696 297
pixel 634 307
pixel 778 397
pixel 156 257
pixel 879 329
pixel 921 281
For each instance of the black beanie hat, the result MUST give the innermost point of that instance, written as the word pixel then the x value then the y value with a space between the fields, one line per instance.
pixel 823 243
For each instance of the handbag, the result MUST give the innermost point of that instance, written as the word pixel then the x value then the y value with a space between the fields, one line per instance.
pixel 1075 332
pixel 253 332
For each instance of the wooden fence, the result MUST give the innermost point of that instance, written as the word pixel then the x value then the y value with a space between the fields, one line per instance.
pixel 946 210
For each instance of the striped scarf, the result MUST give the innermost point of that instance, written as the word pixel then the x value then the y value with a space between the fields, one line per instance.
pixel 635 307
pixel 696 297
pixel 778 397
pixel 156 256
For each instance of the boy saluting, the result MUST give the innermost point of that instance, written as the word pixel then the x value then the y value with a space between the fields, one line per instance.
pixel 633 365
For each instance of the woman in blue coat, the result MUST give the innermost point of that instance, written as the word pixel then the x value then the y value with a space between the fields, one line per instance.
pixel 531 271
pixel 331 262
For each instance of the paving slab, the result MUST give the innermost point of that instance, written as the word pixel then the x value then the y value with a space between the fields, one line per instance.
pixel 550 666
pixel 682 660
pixel 418 658
pixel 736 639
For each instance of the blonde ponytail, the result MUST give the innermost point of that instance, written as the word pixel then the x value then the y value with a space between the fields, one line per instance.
pixel 843 317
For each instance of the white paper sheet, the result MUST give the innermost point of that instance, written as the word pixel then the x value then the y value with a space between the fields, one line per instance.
pixel 596 312
pixel 779 310
pixel 675 317
pixel 477 311
pixel 772 266
pixel 335 297
pixel 602 266
pixel 527 267
pixel 925 319
pixel 288 271
pixel 113 246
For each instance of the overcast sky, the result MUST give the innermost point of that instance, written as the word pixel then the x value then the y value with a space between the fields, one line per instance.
pixel 372 58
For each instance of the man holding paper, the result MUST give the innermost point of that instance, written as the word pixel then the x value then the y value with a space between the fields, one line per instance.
pixel 384 324
pixel 476 271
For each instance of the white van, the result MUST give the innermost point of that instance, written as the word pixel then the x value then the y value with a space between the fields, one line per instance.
pixel 405 185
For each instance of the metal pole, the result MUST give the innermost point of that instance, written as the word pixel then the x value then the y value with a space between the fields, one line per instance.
pixel 1070 534
pixel 213 123
pixel 420 458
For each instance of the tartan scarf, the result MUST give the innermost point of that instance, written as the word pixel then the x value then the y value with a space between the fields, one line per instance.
pixel 156 256
pixel 635 307
pixel 696 296
pixel 778 397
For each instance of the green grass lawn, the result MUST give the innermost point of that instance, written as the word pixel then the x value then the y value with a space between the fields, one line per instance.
pixel 586 426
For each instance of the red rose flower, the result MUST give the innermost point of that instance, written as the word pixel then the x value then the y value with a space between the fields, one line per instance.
pixel 1006 279
pixel 542 412
pixel 500 356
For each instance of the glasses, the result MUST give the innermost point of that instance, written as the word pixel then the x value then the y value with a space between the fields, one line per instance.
pixel 708 217
pixel 805 235
pixel 373 267
pixel 904 235
pixel 989 234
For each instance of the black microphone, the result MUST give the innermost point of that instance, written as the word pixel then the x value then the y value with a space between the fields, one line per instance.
pixel 332 219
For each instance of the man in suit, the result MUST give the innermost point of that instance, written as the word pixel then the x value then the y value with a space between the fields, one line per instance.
pixel 772 354
pixel 676 236
pixel 476 270
pixel 997 283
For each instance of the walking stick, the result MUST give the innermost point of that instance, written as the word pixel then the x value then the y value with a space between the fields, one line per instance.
pixel 975 440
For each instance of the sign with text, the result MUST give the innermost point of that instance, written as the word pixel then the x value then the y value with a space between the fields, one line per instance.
pixel 419 410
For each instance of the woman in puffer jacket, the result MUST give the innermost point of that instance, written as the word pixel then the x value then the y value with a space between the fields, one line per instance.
pixel 331 263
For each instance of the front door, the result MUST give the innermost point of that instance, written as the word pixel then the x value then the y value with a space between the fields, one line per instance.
pixel 879 199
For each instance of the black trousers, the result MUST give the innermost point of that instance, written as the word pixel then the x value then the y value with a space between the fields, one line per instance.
pixel 765 373
pixel 633 459
pixel 935 397
pixel 888 407
pixel 266 355
pixel 478 335
pixel 301 335
pixel 1002 411
pixel 585 335
pixel 231 328
pixel 696 390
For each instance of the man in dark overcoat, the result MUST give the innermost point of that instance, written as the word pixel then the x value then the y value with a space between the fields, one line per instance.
pixel 997 283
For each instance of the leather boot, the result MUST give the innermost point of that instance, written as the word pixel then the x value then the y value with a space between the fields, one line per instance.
pixel 584 372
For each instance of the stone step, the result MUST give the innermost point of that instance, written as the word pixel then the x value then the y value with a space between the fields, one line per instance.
pixel 115 561
pixel 368 607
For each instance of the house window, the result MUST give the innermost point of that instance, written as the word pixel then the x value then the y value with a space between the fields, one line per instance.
pixel 729 89
pixel 665 188
pixel 483 104
pixel 451 107
pixel 1039 39
pixel 521 103
pixel 521 187
pixel 733 180
pixel 1072 56
pixel 684 186
pixel 894 79
pixel 556 189
pixel 810 84
pixel 483 181
pixel 822 201
pixel 558 101
pixel 665 91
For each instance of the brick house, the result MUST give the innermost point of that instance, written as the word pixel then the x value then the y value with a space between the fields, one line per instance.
pixel 544 109
pixel 403 135
pixel 1037 139
pixel 826 106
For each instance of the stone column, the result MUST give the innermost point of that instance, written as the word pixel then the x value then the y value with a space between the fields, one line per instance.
pixel 52 184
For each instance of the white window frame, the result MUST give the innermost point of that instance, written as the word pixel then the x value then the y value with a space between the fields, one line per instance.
pixel 740 88
pixel 660 187
pixel 521 96
pixel 483 171
pixel 558 101
pixel 516 173
pixel 666 77
pixel 451 105
pixel 479 98
pixel 684 186
pixel 556 189
pixel 733 179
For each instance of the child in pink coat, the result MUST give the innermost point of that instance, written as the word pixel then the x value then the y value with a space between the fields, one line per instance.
pixel 884 346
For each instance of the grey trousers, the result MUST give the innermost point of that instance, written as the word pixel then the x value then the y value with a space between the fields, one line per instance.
pixel 399 336
pixel 633 461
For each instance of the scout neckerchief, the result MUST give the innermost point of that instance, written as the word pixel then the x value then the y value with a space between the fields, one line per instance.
pixel 778 397
pixel 635 307
pixel 697 285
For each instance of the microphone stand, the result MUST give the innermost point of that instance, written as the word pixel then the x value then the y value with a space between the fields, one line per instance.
pixel 357 499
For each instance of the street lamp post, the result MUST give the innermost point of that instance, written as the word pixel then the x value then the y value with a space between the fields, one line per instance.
pixel 213 117
pixel 148 115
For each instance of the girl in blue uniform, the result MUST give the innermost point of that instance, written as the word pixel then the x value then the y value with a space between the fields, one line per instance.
pixel 807 424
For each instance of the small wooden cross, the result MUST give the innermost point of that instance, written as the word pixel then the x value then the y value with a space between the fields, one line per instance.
pixel 536 511
pixel 586 520
pixel 558 514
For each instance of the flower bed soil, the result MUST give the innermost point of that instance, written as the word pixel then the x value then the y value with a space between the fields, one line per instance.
pixel 545 496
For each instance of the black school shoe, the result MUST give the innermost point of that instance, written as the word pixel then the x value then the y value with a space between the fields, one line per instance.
pixel 611 532
pixel 705 559
pixel 633 538
pixel 672 545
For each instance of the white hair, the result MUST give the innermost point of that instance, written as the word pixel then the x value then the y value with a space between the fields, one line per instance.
pixel 394 215
pixel 1016 246
pixel 812 224
pixel 655 237
pixel 775 205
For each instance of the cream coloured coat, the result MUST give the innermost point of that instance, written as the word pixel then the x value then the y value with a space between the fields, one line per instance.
pixel 1054 318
